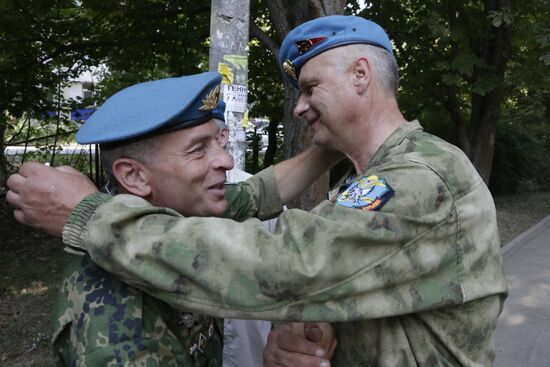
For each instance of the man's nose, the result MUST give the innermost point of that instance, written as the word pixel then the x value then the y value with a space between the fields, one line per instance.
pixel 223 160
pixel 301 106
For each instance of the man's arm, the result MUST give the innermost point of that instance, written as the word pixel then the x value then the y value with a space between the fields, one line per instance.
pixel 333 264
pixel 296 174
pixel 43 196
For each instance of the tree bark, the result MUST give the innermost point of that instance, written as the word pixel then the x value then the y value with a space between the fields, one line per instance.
pixel 285 15
pixel 3 162
pixel 229 27
pixel 495 51
pixel 269 156
pixel 451 100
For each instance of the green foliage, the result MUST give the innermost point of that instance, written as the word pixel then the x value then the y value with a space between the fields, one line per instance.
pixel 46 42
pixel 522 152
pixel 145 40
pixel 521 162
pixel 438 45
pixel 41 46
pixel 444 52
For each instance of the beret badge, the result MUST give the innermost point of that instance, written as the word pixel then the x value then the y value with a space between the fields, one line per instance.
pixel 289 68
pixel 305 45
pixel 210 102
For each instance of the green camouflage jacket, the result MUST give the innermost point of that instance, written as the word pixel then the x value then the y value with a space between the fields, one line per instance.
pixel 100 321
pixel 406 256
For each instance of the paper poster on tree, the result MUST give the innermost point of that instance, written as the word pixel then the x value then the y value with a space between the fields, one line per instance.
pixel 235 97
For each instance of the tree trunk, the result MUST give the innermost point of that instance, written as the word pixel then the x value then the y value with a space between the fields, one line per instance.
pixel 229 27
pixel 3 162
pixel 452 103
pixel 269 156
pixel 546 100
pixel 255 150
pixel 297 138
pixel 495 51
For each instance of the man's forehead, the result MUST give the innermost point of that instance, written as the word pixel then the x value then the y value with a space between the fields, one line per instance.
pixel 189 135
pixel 306 78
pixel 316 67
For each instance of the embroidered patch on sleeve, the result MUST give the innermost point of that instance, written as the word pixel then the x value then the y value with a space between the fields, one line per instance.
pixel 366 193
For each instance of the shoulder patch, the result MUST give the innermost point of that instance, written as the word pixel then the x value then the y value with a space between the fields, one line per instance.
pixel 366 193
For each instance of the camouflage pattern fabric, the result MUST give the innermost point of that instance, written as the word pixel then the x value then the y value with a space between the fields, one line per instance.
pixel 100 321
pixel 418 282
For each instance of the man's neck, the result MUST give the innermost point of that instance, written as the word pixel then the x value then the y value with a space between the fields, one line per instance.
pixel 377 126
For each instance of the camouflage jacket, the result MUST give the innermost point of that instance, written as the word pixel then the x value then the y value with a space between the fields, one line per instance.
pixel 100 321
pixel 417 282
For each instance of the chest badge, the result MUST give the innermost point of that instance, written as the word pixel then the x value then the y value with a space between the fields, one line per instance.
pixel 366 193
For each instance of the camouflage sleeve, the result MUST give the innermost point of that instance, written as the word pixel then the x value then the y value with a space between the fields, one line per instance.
pixel 334 263
pixel 245 199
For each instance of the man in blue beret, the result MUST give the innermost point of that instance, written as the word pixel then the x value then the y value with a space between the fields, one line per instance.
pixel 404 254
pixel 161 141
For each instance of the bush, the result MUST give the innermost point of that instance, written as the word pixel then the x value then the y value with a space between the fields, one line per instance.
pixel 521 162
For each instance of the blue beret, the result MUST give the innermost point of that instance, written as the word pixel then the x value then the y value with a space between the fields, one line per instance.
pixel 154 107
pixel 318 35
pixel 218 112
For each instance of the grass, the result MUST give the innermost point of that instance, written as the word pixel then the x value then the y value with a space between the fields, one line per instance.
pixel 31 265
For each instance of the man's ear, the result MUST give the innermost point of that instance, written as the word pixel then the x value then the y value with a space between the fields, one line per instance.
pixel 223 137
pixel 362 74
pixel 133 176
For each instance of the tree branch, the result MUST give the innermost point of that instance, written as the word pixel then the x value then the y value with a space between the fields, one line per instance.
pixel 267 41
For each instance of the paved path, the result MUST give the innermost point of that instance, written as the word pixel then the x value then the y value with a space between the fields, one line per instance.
pixel 522 336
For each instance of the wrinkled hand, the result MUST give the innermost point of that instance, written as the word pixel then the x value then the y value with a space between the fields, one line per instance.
pixel 43 197
pixel 300 345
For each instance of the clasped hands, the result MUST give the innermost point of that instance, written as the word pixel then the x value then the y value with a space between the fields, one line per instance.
pixel 300 345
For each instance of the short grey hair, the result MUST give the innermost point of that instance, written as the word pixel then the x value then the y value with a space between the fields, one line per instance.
pixel 382 61
pixel 221 124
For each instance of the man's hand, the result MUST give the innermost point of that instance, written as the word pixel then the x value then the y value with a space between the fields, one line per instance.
pixel 288 345
pixel 43 197
pixel 322 334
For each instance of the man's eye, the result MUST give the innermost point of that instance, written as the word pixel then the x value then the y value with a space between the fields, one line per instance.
pixel 198 149
pixel 308 89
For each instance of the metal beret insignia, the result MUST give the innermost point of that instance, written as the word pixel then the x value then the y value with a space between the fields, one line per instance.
pixel 305 45
pixel 289 68
pixel 211 100
pixel 366 193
